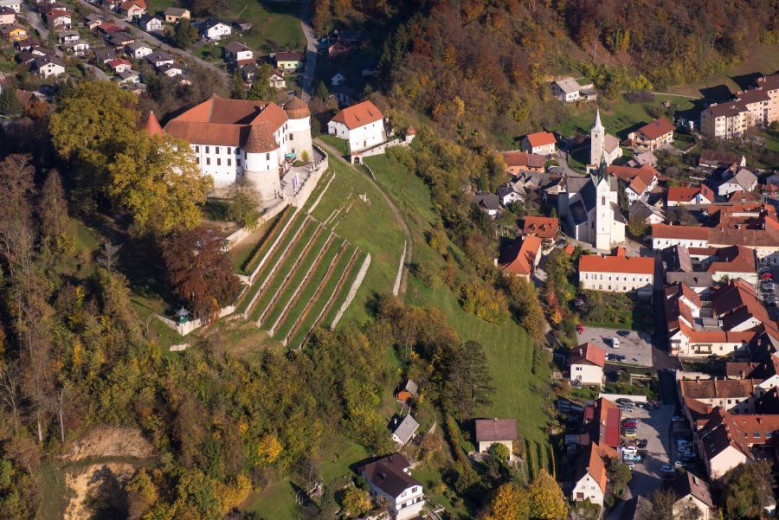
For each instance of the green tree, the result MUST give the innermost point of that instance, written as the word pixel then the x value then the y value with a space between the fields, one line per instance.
pixel 526 306
pixel 244 208
pixel 467 383
pixel 321 91
pixel 158 181
pixel 546 498
pixel 637 226
pixel 497 461
pixel 261 89
pixel 237 89
pixel 9 103
pixel 747 489
pixel 618 472
pixel 185 34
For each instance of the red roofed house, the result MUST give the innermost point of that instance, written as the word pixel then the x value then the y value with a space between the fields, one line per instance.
pixel 603 420
pixel 523 162
pixel 362 125
pixel 730 263
pixel 616 273
pixel 58 18
pixel 590 479
pixel 491 431
pixel 542 227
pixel 541 143
pixel 665 235
pixel 652 136
pixel 526 259
pixel 681 195
pixel 132 9
pixel 120 65
pixel 587 362
pixel 249 139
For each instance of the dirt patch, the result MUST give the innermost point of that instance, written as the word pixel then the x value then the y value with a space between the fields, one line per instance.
pixel 97 488
pixel 110 442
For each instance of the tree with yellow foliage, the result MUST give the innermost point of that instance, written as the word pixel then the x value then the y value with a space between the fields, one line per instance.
pixel 356 501
pixel 511 502
pixel 268 449
pixel 546 498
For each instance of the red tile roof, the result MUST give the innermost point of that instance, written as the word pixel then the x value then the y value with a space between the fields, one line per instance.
pixel 657 128
pixel 152 125
pixel 297 109
pixel 588 354
pixel 541 139
pixel 680 232
pixel 523 263
pixel 688 193
pixel 488 430
pixel 606 423
pixel 719 388
pixel 359 115
pixel 616 264
pixel 627 174
pixel 119 62
pixel 523 160
pixel 543 227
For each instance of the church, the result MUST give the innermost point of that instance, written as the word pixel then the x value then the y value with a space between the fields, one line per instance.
pixel 602 145
pixel 588 207
pixel 236 139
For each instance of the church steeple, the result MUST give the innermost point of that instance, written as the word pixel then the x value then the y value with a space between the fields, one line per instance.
pixel 601 169
pixel 598 125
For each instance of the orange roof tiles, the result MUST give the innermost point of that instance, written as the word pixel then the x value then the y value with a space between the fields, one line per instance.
pixel 616 264
pixel 541 139
pixel 657 128
pixel 152 125
pixel 359 115
pixel 523 160
pixel 646 172
pixel 297 109
pixel 680 232
pixel 588 354
pixel 543 227
pixel 524 262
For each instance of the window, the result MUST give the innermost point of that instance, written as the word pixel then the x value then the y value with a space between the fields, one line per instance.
pixel 756 435
pixel 267 157
pixel 197 149
pixel 238 163
pixel 208 149
pixel 217 150
pixel 208 161
pixel 229 150
pixel 291 137
pixel 219 162
pixel 229 162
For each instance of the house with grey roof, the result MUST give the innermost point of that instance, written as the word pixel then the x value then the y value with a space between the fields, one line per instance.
pixel 390 477
pixel 569 90
pixel 743 180
pixel 405 431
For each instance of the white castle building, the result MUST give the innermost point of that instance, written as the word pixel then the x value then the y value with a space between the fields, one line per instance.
pixel 602 145
pixel 234 139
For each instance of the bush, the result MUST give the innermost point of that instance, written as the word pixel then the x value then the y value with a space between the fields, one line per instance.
pixel 485 302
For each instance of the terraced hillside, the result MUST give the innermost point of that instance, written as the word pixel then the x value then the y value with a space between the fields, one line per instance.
pixel 300 277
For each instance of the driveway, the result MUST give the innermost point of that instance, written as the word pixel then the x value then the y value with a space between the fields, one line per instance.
pixel 635 346
pixel 311 52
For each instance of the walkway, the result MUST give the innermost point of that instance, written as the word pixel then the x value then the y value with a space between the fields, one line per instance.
pixel 397 215
pixel 154 41
pixel 311 52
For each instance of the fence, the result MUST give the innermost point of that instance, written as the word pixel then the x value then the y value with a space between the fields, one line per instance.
pixel 185 328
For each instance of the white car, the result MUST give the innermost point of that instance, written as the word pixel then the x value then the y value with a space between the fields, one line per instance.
pixel 629 450
pixel 615 342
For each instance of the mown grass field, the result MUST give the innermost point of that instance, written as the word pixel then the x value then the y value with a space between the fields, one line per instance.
pixel 510 354
pixel 764 59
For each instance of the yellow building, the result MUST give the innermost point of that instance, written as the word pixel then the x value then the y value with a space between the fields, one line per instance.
pixel 15 33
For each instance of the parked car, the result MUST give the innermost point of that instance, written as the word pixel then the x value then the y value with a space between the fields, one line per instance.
pixel 667 469
pixel 642 444
pixel 629 423
pixel 631 458
pixel 580 328
pixel 622 400
pixel 614 342
pixel 678 464
pixel 766 276
pixel 767 286
pixel 626 407
pixel 631 465
pixel 623 333
pixel 631 432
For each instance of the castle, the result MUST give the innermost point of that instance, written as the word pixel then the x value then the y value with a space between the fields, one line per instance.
pixel 236 139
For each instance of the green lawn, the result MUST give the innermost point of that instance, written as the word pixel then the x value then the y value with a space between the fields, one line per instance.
pixel 369 225
pixel 510 354
pixel 276 25
pixel 276 502
pixel 342 145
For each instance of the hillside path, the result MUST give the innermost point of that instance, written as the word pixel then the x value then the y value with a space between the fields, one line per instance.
pixel 309 72
pixel 397 215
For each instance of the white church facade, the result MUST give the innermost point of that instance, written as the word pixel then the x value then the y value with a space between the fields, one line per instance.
pixel 589 209
pixel 243 139
pixel 603 146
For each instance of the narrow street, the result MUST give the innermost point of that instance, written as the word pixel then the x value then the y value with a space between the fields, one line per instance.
pixel 153 40
pixel 309 70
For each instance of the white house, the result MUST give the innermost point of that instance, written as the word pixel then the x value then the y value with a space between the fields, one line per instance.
pixel 591 479
pixel 362 125
pixel 586 364
pixel 238 53
pixel 150 23
pixel 389 477
pixel 692 492
pixel 16 5
pixel 48 66
pixel 405 430
pixel 138 50
pixel 215 30
pixel 616 273
pixel 566 89
pixel 744 180
pixel 492 431
pixel 77 47
pixel 540 143
pixel 159 58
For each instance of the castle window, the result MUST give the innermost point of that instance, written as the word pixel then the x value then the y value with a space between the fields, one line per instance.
pixel 197 149
pixel 229 162
pixel 603 201
pixel 208 161
pixel 229 150
pixel 290 137
pixel 217 150
pixel 238 163
pixel 208 149
pixel 219 162
pixel 267 157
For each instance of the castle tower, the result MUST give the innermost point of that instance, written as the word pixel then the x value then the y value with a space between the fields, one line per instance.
pixel 604 210
pixel 597 136
pixel 299 129
pixel 262 161
pixel 152 125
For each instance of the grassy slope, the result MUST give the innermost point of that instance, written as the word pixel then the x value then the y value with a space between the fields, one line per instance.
pixel 509 351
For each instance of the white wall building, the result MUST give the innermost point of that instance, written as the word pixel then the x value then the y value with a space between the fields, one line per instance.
pixel 586 364
pixel 389 477
pixel 362 125
pixel 616 273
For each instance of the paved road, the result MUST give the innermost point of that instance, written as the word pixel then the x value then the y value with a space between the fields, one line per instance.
pixel 153 40
pixel 35 20
pixel 311 52
pixel 397 215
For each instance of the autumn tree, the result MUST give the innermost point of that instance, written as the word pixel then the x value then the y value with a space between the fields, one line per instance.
pixel 546 498
pixel 199 270
pixel 141 495
pixel 510 502
pixel 157 180
pixel 356 501
pixel 526 306
pixel 89 128
pixel 244 207
pixel 663 504
pixel 52 208
pixel 261 89
pixel 637 226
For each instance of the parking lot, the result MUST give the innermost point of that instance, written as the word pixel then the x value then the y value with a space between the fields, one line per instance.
pixel 636 347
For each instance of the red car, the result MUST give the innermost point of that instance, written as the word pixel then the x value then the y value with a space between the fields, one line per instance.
pixel 767 276
pixel 579 328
